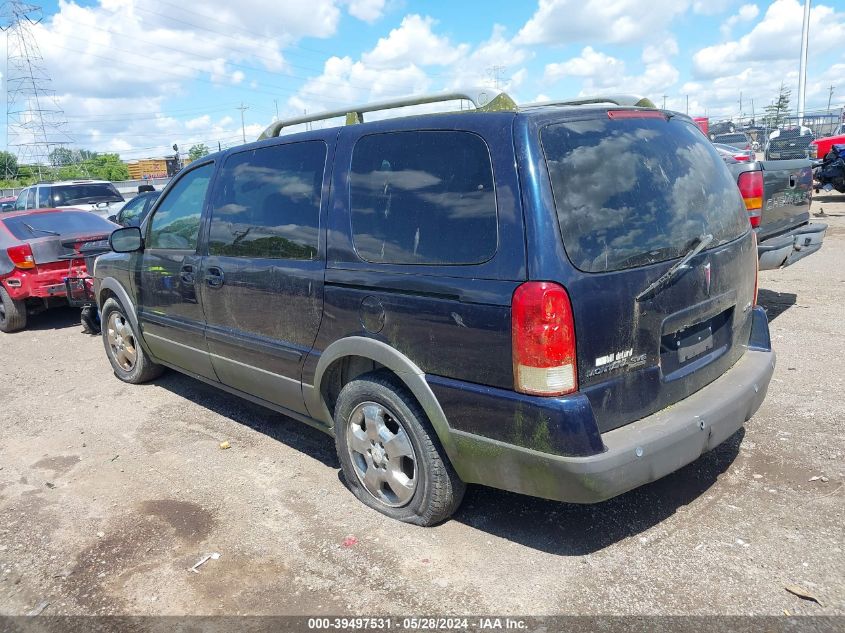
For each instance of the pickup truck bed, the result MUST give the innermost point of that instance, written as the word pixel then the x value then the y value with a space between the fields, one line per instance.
pixel 785 233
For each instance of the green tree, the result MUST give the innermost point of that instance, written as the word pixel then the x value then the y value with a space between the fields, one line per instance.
pixel 105 167
pixel 8 166
pixel 198 151
pixel 776 112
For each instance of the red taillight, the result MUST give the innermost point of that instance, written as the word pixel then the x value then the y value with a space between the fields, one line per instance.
pixel 21 256
pixel 743 158
pixel 751 187
pixel 543 340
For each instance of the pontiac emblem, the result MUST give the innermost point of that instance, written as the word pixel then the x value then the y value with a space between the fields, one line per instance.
pixel 707 278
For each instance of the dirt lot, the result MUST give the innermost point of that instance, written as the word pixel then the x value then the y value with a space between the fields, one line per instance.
pixel 109 493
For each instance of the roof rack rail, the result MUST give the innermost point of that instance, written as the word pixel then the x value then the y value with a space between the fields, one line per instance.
pixel 484 99
pixel 620 100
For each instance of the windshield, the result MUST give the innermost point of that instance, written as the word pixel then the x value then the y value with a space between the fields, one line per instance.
pixel 633 191
pixel 27 227
pixel 88 193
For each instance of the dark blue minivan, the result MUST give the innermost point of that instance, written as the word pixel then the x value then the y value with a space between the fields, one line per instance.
pixel 557 300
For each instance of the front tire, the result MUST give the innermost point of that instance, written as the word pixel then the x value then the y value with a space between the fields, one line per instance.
pixel 128 359
pixel 390 455
pixel 12 312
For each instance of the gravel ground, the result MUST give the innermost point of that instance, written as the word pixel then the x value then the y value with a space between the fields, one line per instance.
pixel 109 493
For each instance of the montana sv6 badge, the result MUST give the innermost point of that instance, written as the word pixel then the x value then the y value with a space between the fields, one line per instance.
pixel 612 362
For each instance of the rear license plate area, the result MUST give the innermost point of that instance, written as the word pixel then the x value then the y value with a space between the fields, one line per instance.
pixel 695 345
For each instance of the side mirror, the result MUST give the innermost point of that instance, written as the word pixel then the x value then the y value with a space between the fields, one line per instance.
pixel 126 240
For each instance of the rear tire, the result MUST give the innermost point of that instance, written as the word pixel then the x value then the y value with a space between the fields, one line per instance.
pixel 12 312
pixel 123 348
pixel 390 455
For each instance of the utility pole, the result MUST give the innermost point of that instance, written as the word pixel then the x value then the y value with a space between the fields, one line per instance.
pixel 802 67
pixel 664 102
pixel 243 108
pixel 740 108
pixel 687 105
pixel 276 103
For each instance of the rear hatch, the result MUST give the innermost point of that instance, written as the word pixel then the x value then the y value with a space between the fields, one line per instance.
pixel 636 191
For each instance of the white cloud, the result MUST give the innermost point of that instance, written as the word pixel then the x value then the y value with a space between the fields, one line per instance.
pixel 396 67
pixel 198 123
pixel 590 63
pixel 497 51
pixel 413 42
pixel 776 37
pixel 746 13
pixel 602 73
pixel 366 10
pixel 711 7
pixel 612 21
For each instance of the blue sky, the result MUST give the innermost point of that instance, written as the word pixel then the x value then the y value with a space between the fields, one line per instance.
pixel 136 76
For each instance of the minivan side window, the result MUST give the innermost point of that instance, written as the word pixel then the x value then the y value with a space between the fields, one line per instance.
pixel 423 197
pixel 30 198
pixel 176 223
pixel 266 202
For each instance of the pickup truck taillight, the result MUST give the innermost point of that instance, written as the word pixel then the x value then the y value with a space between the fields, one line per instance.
pixel 751 187
pixel 21 256
pixel 543 329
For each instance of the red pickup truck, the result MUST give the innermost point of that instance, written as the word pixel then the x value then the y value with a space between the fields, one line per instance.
pixel 821 146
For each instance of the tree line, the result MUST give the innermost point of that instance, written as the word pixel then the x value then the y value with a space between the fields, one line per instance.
pixel 72 164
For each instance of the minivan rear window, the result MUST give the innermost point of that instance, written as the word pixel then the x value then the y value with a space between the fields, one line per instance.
pixel 634 191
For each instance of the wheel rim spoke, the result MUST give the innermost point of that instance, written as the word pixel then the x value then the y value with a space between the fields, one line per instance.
pixel 374 420
pixel 399 446
pixel 372 480
pixel 399 483
pixel 358 441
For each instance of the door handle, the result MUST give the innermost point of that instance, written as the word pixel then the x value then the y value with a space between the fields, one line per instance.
pixel 214 277
pixel 187 274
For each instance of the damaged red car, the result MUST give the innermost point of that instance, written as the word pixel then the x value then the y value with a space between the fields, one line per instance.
pixel 39 250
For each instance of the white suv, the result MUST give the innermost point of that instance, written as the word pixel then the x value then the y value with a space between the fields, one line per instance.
pixel 98 196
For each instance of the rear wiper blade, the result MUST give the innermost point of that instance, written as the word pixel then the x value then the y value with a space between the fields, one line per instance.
pixel 33 230
pixel 669 275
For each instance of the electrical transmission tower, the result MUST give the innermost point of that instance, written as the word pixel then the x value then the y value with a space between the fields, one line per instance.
pixel 35 124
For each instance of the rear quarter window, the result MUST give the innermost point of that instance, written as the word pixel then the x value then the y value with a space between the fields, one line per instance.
pixel 631 192
pixel 423 197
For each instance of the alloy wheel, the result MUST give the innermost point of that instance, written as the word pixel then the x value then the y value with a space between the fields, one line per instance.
pixel 122 341
pixel 382 454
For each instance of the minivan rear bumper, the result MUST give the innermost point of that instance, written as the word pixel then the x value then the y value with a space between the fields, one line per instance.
pixel 635 454
pixel 786 249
